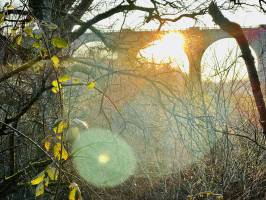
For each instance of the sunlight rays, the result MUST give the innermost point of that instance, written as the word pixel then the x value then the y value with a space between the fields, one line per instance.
pixel 169 49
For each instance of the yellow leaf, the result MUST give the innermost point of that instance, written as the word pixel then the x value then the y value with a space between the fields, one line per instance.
pixel 58 136
pixel 60 152
pixel 55 83
pixel 73 190
pixel 28 31
pixel 60 127
pixel 57 86
pixel 55 90
pixel 39 178
pixel 55 61
pixel 59 42
pixel 63 78
pixel 39 189
pixel 2 18
pixel 47 143
pixel 64 154
pixel 52 173
pixel 57 150
pixel 72 193
pixel 91 85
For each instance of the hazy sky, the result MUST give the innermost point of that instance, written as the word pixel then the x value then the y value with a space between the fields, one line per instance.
pixel 246 17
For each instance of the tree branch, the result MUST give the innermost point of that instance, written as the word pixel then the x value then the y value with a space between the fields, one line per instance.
pixel 188 15
pixel 109 13
pixel 20 69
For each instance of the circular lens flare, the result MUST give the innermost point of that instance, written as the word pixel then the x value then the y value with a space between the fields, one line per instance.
pixel 103 158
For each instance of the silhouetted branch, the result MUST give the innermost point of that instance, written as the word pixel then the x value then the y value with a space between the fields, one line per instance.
pixel 19 69
pixel 104 15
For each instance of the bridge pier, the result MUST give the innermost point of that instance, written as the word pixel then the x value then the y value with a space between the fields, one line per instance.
pixel 194 57
pixel 195 45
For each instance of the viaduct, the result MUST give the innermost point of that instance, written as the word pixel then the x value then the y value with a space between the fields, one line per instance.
pixel 196 41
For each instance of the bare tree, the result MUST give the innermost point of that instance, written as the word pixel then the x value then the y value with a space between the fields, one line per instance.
pixel 35 40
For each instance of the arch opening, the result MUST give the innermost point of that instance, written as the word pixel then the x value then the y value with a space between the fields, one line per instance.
pixel 224 75
pixel 222 62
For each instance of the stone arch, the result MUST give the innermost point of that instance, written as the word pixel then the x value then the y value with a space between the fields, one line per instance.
pixel 197 40
pixel 196 43
pixel 223 49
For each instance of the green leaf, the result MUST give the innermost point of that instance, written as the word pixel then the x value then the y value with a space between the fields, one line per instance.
pixel 49 25
pixel 46 181
pixel 37 36
pixel 59 43
pixel 19 40
pixel 2 18
pixel 14 31
pixel 52 173
pixel 39 189
pixel 37 44
pixel 28 31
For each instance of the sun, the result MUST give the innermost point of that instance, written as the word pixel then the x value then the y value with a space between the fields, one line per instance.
pixel 103 158
pixel 168 49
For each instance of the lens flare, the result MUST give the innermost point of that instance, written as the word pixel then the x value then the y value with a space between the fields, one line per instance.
pixel 103 158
